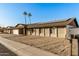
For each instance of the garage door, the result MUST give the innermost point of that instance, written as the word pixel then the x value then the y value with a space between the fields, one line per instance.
pixel 16 31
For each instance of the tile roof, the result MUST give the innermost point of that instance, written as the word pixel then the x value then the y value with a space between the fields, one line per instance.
pixel 58 23
pixel 50 24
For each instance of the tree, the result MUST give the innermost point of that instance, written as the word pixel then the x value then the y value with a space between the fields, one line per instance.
pixel 29 15
pixel 25 14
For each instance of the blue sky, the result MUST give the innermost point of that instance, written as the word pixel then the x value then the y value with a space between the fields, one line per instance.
pixel 11 14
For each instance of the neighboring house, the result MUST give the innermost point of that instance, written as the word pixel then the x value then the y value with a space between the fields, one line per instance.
pixel 57 29
pixel 1 30
pixel 8 30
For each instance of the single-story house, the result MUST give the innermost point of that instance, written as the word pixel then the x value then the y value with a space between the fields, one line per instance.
pixel 57 29
pixel 20 29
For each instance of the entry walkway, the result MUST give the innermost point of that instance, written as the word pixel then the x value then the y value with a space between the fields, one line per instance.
pixel 23 49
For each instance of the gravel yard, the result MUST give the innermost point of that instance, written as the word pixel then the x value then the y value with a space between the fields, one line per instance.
pixel 54 45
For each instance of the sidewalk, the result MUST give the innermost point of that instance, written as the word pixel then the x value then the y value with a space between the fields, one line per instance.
pixel 24 50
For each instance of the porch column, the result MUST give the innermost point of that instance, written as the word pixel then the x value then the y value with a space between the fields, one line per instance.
pixel 24 31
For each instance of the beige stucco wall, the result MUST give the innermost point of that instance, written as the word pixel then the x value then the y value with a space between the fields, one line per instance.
pixel 9 31
pixel 6 31
pixel 16 31
pixel 28 32
pixel 47 32
pixel 37 32
pixel 61 32
pixel 55 33
pixel 42 33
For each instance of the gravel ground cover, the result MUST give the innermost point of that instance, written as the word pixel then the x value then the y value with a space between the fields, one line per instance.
pixel 54 45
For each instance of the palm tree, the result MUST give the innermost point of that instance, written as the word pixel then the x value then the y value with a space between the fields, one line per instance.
pixel 29 15
pixel 25 13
